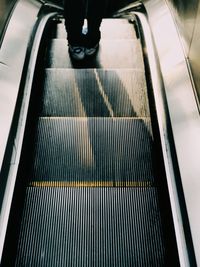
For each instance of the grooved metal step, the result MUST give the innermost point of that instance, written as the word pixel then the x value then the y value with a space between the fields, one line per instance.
pixel 91 199
pixel 93 227
pixel 94 149
pixel 118 54
pixel 95 93
pixel 110 29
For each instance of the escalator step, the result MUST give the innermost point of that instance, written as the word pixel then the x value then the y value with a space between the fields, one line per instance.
pixel 110 29
pixel 95 93
pixel 91 227
pixel 118 54
pixel 94 149
pixel 91 198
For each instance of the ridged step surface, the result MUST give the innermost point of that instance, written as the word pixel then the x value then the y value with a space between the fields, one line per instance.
pixel 90 227
pixel 112 54
pixel 101 149
pixel 95 93
pixel 110 29
pixel 91 197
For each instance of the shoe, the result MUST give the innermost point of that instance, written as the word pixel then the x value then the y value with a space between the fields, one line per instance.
pixel 77 52
pixel 92 50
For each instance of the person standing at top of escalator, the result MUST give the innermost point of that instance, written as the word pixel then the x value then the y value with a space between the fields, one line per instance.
pixel 75 11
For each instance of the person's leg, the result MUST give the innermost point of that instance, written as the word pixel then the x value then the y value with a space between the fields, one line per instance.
pixel 95 13
pixel 74 14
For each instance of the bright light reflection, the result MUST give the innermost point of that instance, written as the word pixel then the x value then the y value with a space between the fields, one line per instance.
pixel 170 55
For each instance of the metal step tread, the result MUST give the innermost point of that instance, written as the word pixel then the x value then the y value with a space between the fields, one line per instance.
pixel 110 29
pixel 91 227
pixel 93 149
pixel 91 198
pixel 95 93
pixel 112 54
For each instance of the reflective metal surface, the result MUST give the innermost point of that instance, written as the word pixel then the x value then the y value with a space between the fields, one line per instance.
pixel 12 58
pixel 183 111
pixel 5 9
pixel 184 13
pixel 194 56
pixel 187 18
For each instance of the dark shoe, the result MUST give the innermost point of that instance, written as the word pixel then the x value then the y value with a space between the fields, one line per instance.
pixel 77 52
pixel 90 51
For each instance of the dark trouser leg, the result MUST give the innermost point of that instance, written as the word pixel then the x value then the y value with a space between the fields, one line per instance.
pixel 95 13
pixel 74 14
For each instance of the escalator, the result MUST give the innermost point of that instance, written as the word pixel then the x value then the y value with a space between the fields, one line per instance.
pixel 91 187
